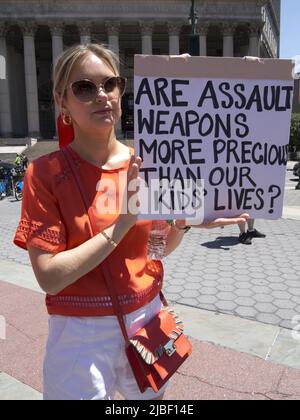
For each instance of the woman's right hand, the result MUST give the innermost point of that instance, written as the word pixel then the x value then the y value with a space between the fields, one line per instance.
pixel 128 217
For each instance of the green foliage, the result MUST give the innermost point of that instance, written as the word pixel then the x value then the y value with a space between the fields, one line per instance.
pixel 295 133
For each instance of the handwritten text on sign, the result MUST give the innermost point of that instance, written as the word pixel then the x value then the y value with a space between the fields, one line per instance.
pixel 233 134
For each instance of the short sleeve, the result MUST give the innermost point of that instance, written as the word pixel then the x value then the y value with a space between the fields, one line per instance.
pixel 41 223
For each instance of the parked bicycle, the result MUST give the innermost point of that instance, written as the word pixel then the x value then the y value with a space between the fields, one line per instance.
pixel 11 183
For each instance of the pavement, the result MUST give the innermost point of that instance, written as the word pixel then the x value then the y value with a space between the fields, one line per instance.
pixel 240 305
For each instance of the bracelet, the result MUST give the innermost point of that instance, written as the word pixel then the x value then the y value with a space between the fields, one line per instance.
pixel 173 223
pixel 108 238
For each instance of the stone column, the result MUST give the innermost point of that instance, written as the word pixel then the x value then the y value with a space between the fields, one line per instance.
pixel 146 31
pixel 56 30
pixel 174 37
pixel 228 39
pixel 203 28
pixel 85 33
pixel 31 80
pixel 113 31
pixel 5 103
pixel 254 42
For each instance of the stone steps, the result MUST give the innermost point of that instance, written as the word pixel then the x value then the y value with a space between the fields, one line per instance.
pixel 41 148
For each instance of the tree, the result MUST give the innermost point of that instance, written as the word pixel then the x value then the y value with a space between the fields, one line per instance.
pixel 295 133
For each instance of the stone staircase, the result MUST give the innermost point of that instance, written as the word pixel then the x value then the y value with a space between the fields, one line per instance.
pixel 41 148
pixel 8 150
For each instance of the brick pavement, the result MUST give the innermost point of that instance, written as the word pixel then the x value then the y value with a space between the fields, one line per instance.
pixel 212 271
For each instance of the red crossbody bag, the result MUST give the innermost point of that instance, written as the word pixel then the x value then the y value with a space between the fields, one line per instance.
pixel 156 351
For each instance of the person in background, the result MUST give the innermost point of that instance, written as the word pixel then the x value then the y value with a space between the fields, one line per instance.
pixel 246 237
pixel 18 160
pixel 25 162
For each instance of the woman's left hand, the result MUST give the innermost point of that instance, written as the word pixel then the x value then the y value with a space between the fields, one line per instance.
pixel 217 223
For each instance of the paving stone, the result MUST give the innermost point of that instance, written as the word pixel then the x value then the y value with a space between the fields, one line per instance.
pixel 261 289
pixel 257 275
pixel 172 297
pixel 189 302
pixel 245 301
pixel 177 282
pixel 296 299
pixel 294 291
pixel 290 277
pixel 286 314
pixel 267 308
pixel 226 296
pixel 243 292
pixel 208 291
pixel 278 287
pixel 209 283
pixel 225 288
pixel 260 297
pixel 189 294
pixel 213 277
pixel 207 299
pixel 226 306
pixel 224 274
pixel 281 295
pixel 196 286
pixel 284 304
pixel 245 311
pixel 242 285
pixel 294 283
pixel 174 289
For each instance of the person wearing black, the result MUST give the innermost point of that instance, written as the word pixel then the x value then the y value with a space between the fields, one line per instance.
pixel 25 162
pixel 246 237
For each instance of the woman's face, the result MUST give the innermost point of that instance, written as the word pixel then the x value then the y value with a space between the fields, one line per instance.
pixel 99 114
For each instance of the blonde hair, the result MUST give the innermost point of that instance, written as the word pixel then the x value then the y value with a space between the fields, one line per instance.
pixel 70 57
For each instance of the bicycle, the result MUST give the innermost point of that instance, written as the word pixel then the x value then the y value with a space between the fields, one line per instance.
pixel 11 187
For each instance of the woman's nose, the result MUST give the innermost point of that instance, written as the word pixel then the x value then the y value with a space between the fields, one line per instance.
pixel 101 94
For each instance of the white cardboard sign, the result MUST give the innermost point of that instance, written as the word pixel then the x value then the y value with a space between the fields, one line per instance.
pixel 224 121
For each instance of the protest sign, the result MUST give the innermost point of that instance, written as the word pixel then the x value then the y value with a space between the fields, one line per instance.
pixel 223 120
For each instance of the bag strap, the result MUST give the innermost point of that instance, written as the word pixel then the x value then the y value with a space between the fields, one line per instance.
pixel 104 265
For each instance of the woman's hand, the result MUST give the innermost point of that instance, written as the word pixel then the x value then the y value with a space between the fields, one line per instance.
pixel 127 218
pixel 223 222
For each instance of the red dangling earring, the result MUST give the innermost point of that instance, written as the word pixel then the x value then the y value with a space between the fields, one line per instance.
pixel 65 131
pixel 67 120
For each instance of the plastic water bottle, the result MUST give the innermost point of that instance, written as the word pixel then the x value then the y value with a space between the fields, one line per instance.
pixel 158 239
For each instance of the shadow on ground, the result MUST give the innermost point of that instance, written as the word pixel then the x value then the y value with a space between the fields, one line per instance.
pixel 222 242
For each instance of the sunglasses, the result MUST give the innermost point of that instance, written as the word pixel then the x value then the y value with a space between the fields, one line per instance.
pixel 86 91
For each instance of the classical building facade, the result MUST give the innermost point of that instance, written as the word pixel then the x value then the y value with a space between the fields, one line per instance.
pixel 34 32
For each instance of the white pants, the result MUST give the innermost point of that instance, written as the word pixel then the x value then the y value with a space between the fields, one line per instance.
pixel 86 359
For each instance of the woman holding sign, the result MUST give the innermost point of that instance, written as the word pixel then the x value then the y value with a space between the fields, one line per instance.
pixel 85 357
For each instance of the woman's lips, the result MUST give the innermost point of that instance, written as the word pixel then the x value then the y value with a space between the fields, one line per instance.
pixel 103 111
